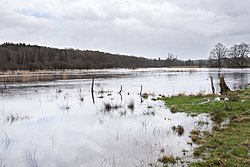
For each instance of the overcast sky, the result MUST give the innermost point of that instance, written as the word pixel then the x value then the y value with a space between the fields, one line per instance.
pixel 148 28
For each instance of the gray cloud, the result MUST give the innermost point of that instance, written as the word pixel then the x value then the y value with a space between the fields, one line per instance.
pixel 149 28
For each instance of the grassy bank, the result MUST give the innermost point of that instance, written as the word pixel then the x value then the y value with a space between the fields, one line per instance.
pixel 227 145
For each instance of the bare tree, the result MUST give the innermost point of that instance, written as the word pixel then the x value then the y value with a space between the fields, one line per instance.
pixel 218 53
pixel 239 54
pixel 170 59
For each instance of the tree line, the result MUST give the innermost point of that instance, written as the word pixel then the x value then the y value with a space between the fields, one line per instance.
pixel 21 56
pixel 236 56
pixel 31 57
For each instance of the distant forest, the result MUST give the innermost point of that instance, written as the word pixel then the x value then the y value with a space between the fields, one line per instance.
pixel 32 57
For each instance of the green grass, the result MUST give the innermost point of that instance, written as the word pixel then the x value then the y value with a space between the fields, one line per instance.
pixel 229 147
pixel 149 107
pixel 206 104
pixel 238 103
pixel 224 146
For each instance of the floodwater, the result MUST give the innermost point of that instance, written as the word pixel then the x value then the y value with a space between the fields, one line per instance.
pixel 58 123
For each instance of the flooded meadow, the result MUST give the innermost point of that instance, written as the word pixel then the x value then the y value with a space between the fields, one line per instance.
pixel 120 123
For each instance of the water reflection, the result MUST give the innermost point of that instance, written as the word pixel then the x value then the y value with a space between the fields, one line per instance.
pixel 65 127
pixel 235 79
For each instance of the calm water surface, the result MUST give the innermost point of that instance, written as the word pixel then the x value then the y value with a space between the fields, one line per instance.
pixel 57 124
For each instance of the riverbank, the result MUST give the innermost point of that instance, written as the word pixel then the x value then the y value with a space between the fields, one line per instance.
pixel 23 76
pixel 228 144
pixel 52 75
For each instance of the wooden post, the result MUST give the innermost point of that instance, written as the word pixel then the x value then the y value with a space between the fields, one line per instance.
pixel 120 93
pixel 5 86
pixel 212 84
pixel 92 90
pixel 223 86
pixel 120 90
pixel 4 83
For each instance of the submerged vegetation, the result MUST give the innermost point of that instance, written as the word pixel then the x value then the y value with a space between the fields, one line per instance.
pixel 228 143
pixel 15 117
pixel 167 159
pixel 178 129
pixel 131 105
pixel 108 107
